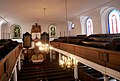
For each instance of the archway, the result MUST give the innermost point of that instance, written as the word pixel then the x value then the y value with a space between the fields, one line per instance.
pixel 104 12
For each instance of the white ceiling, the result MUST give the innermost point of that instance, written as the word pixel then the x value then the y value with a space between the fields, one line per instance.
pixel 33 10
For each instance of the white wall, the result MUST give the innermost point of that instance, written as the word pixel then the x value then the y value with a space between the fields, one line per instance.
pixel 96 17
pixel 0 28
pixel 77 29
pixel 94 13
pixel 5 31
pixel 27 26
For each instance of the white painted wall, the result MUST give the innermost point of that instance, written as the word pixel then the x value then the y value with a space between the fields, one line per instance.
pixel 27 26
pixel 0 28
pixel 77 29
pixel 99 24
pixel 5 31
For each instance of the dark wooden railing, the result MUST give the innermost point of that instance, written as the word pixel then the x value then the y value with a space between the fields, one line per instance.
pixel 8 62
pixel 103 57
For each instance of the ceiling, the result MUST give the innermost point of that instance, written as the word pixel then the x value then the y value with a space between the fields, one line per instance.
pixel 55 10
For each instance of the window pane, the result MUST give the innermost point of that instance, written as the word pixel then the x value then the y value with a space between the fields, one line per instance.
pixel 114 21
pixel 89 26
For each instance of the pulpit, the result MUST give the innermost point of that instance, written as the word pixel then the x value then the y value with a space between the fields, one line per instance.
pixel 36 31
pixel 36 35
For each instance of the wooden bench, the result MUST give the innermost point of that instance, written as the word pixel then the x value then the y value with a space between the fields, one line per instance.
pixel 105 41
pixel 71 39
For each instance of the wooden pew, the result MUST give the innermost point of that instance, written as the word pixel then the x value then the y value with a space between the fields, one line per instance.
pixel 107 58
pixel 104 41
pixel 71 39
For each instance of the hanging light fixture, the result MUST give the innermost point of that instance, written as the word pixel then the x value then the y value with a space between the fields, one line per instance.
pixel 68 62
pixel 66 16
pixel 44 47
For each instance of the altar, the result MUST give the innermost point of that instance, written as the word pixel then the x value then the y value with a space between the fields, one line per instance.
pixel 34 52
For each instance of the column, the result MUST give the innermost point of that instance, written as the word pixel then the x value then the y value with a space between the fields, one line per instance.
pixel 106 78
pixel 15 74
pixel 19 63
pixel 50 55
pixel 59 58
pixel 76 72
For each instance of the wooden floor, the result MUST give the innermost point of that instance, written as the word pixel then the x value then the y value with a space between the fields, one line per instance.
pixel 45 71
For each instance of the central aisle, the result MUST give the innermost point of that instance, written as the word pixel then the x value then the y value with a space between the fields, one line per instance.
pixel 45 71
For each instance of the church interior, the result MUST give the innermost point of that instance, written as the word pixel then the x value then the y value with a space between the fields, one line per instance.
pixel 59 40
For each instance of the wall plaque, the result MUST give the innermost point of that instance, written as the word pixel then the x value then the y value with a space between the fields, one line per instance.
pixel 27 39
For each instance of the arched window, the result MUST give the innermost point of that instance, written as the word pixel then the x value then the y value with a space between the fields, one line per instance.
pixel 52 31
pixel 114 21
pixel 16 32
pixel 71 25
pixel 89 26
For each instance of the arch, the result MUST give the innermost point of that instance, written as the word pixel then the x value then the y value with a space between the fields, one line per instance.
pixel 71 25
pixel 83 26
pixel 1 29
pixel 86 22
pixel 52 31
pixel 5 33
pixel 114 21
pixel 104 12
pixel 89 26
pixel 16 31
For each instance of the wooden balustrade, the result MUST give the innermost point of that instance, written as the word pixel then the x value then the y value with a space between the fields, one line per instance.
pixel 103 57
pixel 8 62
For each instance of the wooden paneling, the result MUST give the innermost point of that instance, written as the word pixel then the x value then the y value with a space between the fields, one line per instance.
pixel 7 64
pixel 70 48
pixel 1 70
pixel 55 44
pixel 103 57
pixel 113 60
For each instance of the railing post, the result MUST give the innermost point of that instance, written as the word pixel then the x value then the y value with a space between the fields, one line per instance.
pixel 19 63
pixel 76 72
pixel 50 55
pixel 106 78
pixel 15 74
pixel 59 58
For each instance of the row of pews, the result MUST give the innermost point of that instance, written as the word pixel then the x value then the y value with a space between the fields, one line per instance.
pixel 45 71
pixel 100 49
pixel 9 52
pixel 87 73
pixel 104 41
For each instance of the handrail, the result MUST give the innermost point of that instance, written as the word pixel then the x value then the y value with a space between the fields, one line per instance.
pixel 102 57
pixel 8 62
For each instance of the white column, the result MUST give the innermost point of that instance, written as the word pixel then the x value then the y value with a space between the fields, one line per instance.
pixel 76 72
pixel 50 55
pixel 19 63
pixel 59 58
pixel 15 74
pixel 106 78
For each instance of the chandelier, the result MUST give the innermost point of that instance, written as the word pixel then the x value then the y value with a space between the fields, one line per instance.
pixel 68 62
pixel 43 47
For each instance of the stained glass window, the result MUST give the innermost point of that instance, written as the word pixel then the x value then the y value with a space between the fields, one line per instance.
pixel 16 31
pixel 89 26
pixel 114 22
pixel 52 31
